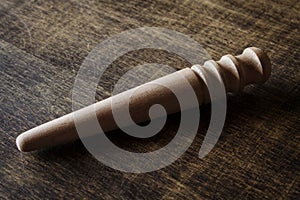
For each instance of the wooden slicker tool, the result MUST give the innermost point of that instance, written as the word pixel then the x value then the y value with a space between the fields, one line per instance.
pixel 252 66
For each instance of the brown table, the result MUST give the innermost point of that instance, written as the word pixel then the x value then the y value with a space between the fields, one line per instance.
pixel 42 45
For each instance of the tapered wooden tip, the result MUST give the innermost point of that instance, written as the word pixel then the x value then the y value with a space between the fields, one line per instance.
pixel 23 143
pixel 19 143
pixel 26 141
pixel 58 131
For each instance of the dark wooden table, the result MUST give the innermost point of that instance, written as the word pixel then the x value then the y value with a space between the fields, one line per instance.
pixel 42 45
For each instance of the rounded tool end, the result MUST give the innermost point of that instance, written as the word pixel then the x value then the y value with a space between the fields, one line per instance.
pixel 20 142
pixel 264 61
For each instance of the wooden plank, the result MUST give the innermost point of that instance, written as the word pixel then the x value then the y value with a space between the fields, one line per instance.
pixel 42 45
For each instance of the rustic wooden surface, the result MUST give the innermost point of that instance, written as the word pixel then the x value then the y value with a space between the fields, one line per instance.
pixel 43 43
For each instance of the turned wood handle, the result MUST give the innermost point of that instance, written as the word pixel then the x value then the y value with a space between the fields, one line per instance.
pixel 252 66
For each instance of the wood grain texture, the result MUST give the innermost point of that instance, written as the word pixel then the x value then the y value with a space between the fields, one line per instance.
pixel 43 43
